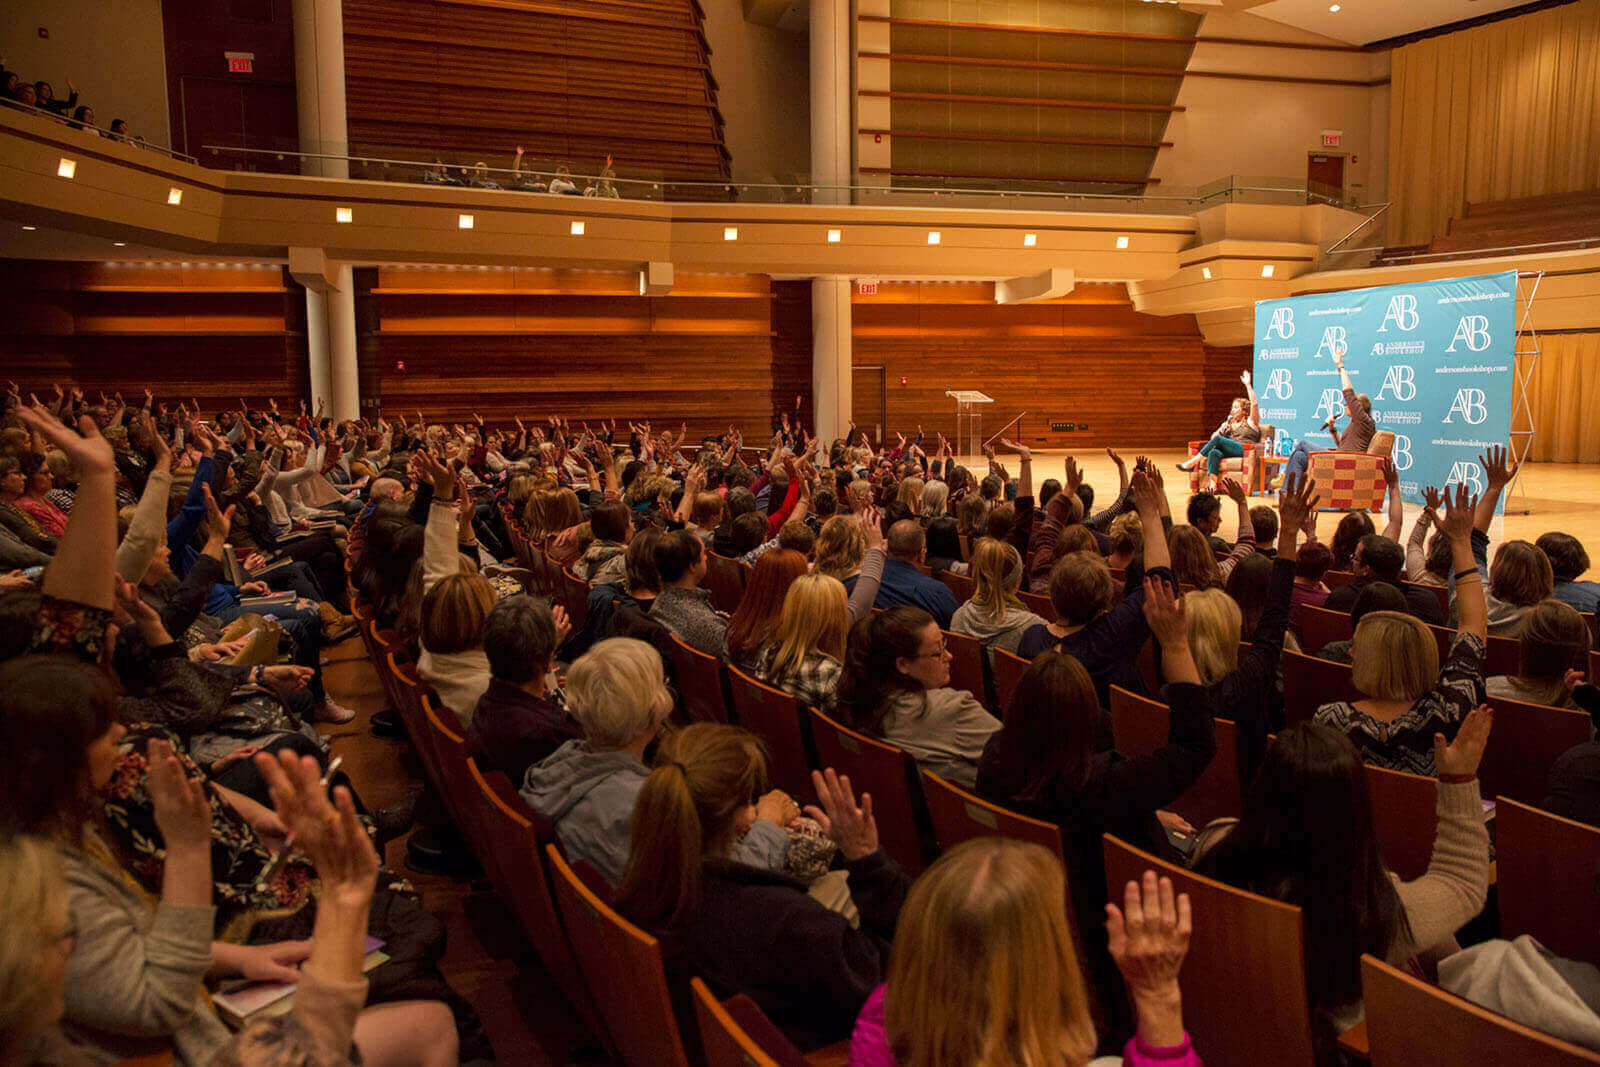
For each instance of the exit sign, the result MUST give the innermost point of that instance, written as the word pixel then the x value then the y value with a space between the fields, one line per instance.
pixel 867 288
pixel 1331 138
pixel 240 62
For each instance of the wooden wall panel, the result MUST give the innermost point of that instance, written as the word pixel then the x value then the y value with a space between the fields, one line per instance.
pixel 572 83
pixel 1136 380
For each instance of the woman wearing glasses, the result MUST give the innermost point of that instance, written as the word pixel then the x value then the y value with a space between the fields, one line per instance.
pixel 896 685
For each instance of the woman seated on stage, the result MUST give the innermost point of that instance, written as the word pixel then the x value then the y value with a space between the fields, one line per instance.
pixel 1241 427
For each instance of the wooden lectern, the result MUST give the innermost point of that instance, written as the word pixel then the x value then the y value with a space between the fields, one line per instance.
pixel 969 417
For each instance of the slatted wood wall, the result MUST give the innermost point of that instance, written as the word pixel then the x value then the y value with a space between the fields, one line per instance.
pixel 1088 357
pixel 571 82
pixel 583 344
pixel 215 332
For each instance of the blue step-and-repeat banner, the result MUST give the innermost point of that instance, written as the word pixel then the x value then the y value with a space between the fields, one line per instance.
pixel 1437 358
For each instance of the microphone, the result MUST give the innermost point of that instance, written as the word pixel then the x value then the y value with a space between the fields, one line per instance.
pixel 1331 420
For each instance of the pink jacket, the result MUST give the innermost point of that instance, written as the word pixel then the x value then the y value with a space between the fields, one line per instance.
pixel 869 1044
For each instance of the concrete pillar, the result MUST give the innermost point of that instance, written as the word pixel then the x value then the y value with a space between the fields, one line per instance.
pixel 830 355
pixel 344 372
pixel 317 347
pixel 830 99
pixel 319 85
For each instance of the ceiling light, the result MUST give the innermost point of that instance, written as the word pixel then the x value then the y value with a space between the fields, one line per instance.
pixel 66 168
pixel 835 236
pixel 174 196
pixel 464 221
pixel 343 214
pixel 1122 242
pixel 1334 8
pixel 30 227
pixel 730 233
pixel 1029 240
pixel 1205 272
pixel 577 228
pixel 933 237
pixel 1266 270
pixel 119 244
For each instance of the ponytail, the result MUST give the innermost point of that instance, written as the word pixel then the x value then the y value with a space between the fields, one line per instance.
pixel 687 812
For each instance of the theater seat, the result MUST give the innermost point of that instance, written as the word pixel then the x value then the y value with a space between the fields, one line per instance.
pixel 1245 469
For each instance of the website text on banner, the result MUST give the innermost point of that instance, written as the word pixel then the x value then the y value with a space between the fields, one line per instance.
pixel 1436 358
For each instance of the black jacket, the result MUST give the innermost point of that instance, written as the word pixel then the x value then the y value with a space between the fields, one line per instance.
pixel 758 933
pixel 1419 602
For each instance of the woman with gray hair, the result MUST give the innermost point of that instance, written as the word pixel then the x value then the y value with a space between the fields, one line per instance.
pixel 618 693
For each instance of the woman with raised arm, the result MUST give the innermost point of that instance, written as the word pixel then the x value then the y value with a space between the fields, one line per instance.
pixel 1395 663
pixel 1521 575
pixel 1241 427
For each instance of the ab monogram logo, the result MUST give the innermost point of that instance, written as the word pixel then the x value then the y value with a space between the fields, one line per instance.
pixel 1280 384
pixel 1402 452
pixel 1334 342
pixel 1400 382
pixel 1282 324
pixel 1467 473
pixel 1472 331
pixel 1402 312
pixel 1332 403
pixel 1471 405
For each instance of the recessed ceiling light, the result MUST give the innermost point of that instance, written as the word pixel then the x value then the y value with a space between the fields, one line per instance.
pixel 1029 240
pixel 30 227
pixel 835 236
pixel 730 233
pixel 343 214
pixel 67 167
pixel 464 221
pixel 119 244
pixel 1266 270
pixel 577 228
pixel 1334 8
pixel 174 196
pixel 933 237
pixel 1122 242
pixel 1205 272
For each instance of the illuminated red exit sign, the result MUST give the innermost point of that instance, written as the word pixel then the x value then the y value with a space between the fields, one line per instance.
pixel 867 288
pixel 240 62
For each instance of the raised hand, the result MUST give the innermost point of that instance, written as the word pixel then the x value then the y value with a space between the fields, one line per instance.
pixel 1458 513
pixel 562 622
pixel 1074 477
pixel 1431 498
pixel 1244 377
pixel 871 527
pixel 1148 937
pixel 88 451
pixel 1498 467
pixel 330 833
pixel 444 482
pixel 1297 501
pixel 1146 492
pixel 851 826
pixel 1462 756
pixel 218 522
pixel 1235 491
pixel 1122 466
pixel 1164 611
pixel 182 813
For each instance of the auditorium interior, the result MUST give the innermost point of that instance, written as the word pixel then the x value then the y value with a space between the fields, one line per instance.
pixel 718 218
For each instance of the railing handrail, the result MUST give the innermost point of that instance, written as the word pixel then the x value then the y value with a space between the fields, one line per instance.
pixel 730 184
pixel 1481 251
pixel 1363 224
pixel 120 138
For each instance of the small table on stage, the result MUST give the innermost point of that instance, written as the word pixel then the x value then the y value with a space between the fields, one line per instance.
pixel 1269 464
pixel 969 417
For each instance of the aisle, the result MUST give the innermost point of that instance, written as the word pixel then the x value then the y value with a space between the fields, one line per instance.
pixel 487 960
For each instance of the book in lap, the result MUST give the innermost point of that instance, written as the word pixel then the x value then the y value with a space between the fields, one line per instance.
pixel 247 1000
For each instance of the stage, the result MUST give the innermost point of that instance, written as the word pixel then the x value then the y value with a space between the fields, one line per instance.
pixel 1560 496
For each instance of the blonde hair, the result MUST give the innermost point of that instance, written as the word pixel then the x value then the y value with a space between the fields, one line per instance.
pixel 617 691
pixel 551 510
pixel 453 612
pixel 983 971
pixel 33 912
pixel 934 495
pixel 1393 656
pixel 997 574
pixel 910 494
pixel 1127 533
pixel 1521 574
pixel 815 618
pixel 840 547
pixel 1215 623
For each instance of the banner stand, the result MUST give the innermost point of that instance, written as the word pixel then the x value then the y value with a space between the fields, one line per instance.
pixel 1527 345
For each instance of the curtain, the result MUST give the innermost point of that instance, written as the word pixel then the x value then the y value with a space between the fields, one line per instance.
pixel 1564 394
pixel 1506 110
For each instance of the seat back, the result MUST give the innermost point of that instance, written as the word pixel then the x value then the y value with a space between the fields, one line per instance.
pixel 1243 981
pixel 1008 671
pixel 1039 604
pixel 575 595
pixel 723 1039
pixel 408 689
pixel 725 582
pixel 1337 579
pixel 1438 592
pixel 1309 683
pixel 890 775
pixel 1140 726
pixel 1524 745
pixel 1319 627
pixel 452 779
pixel 966 665
pixel 700 683
pixel 958 816
pixel 1502 655
pixel 623 969
pixel 1411 1023
pixel 774 716
pixel 1405 819
pixel 958 584
pixel 1547 879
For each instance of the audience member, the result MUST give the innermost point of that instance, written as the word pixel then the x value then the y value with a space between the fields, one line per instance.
pixel 1552 661
pixel 904 584
pixel 995 614
pixel 682 606
pixel 522 716
pixel 1568 562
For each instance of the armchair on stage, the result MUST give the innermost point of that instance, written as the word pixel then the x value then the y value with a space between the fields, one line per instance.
pixel 1248 469
pixel 1352 481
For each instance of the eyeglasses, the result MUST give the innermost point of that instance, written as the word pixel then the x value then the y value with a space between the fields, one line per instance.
pixel 944 650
